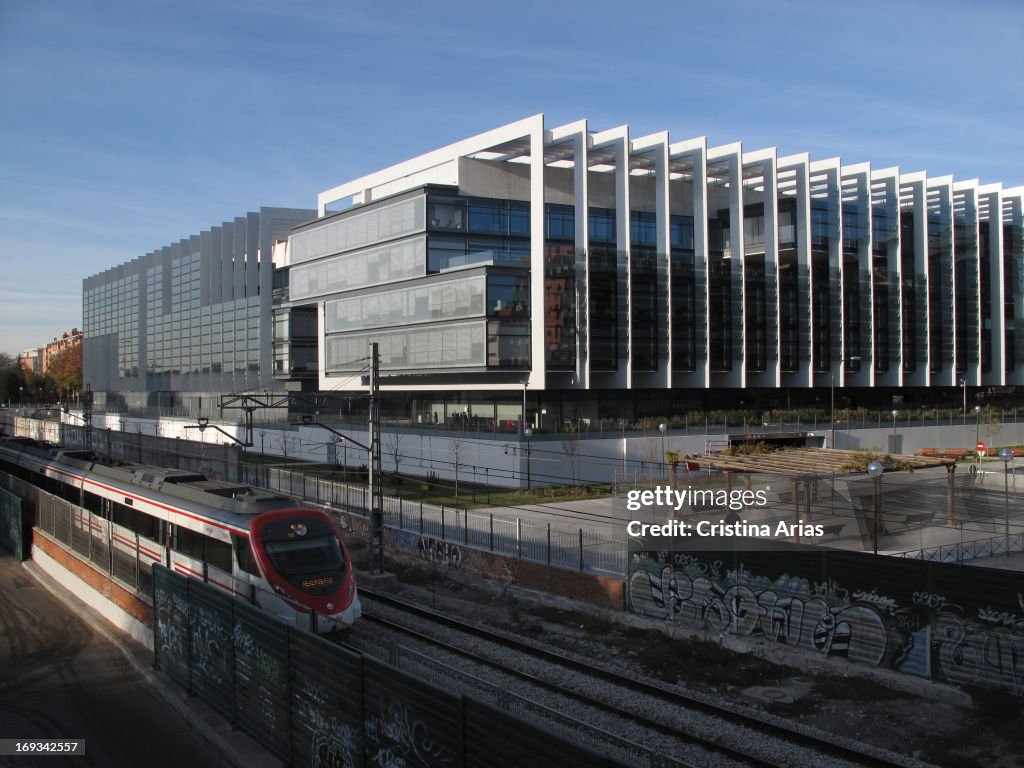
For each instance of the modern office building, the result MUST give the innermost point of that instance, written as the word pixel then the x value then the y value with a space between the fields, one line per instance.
pixel 194 320
pixel 579 274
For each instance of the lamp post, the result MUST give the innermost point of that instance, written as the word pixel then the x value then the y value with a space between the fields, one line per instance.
pixel 528 433
pixel 977 428
pixel 963 383
pixel 1006 456
pixel 875 469
pixel 851 359
pixel 895 413
pixel 663 428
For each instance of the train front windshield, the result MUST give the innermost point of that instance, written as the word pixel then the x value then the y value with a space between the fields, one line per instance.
pixel 301 557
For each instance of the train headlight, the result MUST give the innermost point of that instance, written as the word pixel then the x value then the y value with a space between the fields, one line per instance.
pixel 330 606
pixel 299 529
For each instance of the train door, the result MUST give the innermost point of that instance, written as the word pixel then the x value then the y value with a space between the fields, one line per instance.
pixel 168 540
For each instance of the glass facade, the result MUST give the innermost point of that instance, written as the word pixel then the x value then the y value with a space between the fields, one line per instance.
pixel 792 292
pixel 448 300
pixel 193 317
pixel 455 345
pixel 695 267
pixel 1013 289
pixel 419 279
pixel 966 282
pixel 560 296
pixel 374 266
pixel 348 232
pixel 685 306
pixel 940 279
pixel 885 271
pixel 111 310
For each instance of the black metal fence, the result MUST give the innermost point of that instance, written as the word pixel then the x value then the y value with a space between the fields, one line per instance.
pixel 312 702
pixel 15 534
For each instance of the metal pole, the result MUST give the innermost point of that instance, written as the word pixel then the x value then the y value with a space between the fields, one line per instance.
pixel 878 503
pixel 529 434
pixel 836 368
pixel 950 494
pixel 377 501
pixel 1006 495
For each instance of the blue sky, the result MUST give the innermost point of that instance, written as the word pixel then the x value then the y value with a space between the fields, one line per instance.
pixel 125 126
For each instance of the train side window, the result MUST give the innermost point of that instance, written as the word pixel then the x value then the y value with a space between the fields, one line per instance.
pixel 189 543
pixel 146 525
pixel 123 516
pixel 93 503
pixel 218 554
pixel 243 553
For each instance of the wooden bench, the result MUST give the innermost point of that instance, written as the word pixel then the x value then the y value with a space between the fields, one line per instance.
pixel 918 517
pixel 956 453
pixel 927 452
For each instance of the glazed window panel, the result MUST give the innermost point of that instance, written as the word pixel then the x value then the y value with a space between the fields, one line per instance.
pixel 374 266
pixel 451 300
pixel 459 345
pixel 405 217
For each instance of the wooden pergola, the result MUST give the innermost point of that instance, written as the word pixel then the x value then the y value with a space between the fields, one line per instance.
pixel 804 465
pixel 805 462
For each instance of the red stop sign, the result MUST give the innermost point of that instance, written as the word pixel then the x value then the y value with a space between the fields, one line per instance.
pixel 981 448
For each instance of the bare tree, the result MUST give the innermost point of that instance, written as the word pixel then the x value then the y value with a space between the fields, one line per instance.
pixel 393 446
pixel 571 447
pixel 455 447
pixel 288 444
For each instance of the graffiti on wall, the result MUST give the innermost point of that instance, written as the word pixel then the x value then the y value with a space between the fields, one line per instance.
pixel 440 552
pixel 928 636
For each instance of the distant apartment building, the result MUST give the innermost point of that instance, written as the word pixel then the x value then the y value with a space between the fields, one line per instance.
pixel 69 340
pixel 32 360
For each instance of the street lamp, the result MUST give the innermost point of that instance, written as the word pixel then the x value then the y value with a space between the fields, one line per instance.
pixel 1006 456
pixel 528 433
pixel 977 426
pixel 851 359
pixel 663 428
pixel 875 469
pixel 895 413
pixel 963 383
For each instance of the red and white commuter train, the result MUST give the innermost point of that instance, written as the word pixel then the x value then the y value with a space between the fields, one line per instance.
pixel 288 560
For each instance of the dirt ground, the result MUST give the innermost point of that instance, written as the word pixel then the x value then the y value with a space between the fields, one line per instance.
pixel 935 723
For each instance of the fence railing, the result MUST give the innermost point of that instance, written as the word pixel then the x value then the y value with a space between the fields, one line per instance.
pixel 969 550
pixel 578 549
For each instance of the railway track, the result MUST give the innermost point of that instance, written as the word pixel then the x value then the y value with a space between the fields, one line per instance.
pixel 740 738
